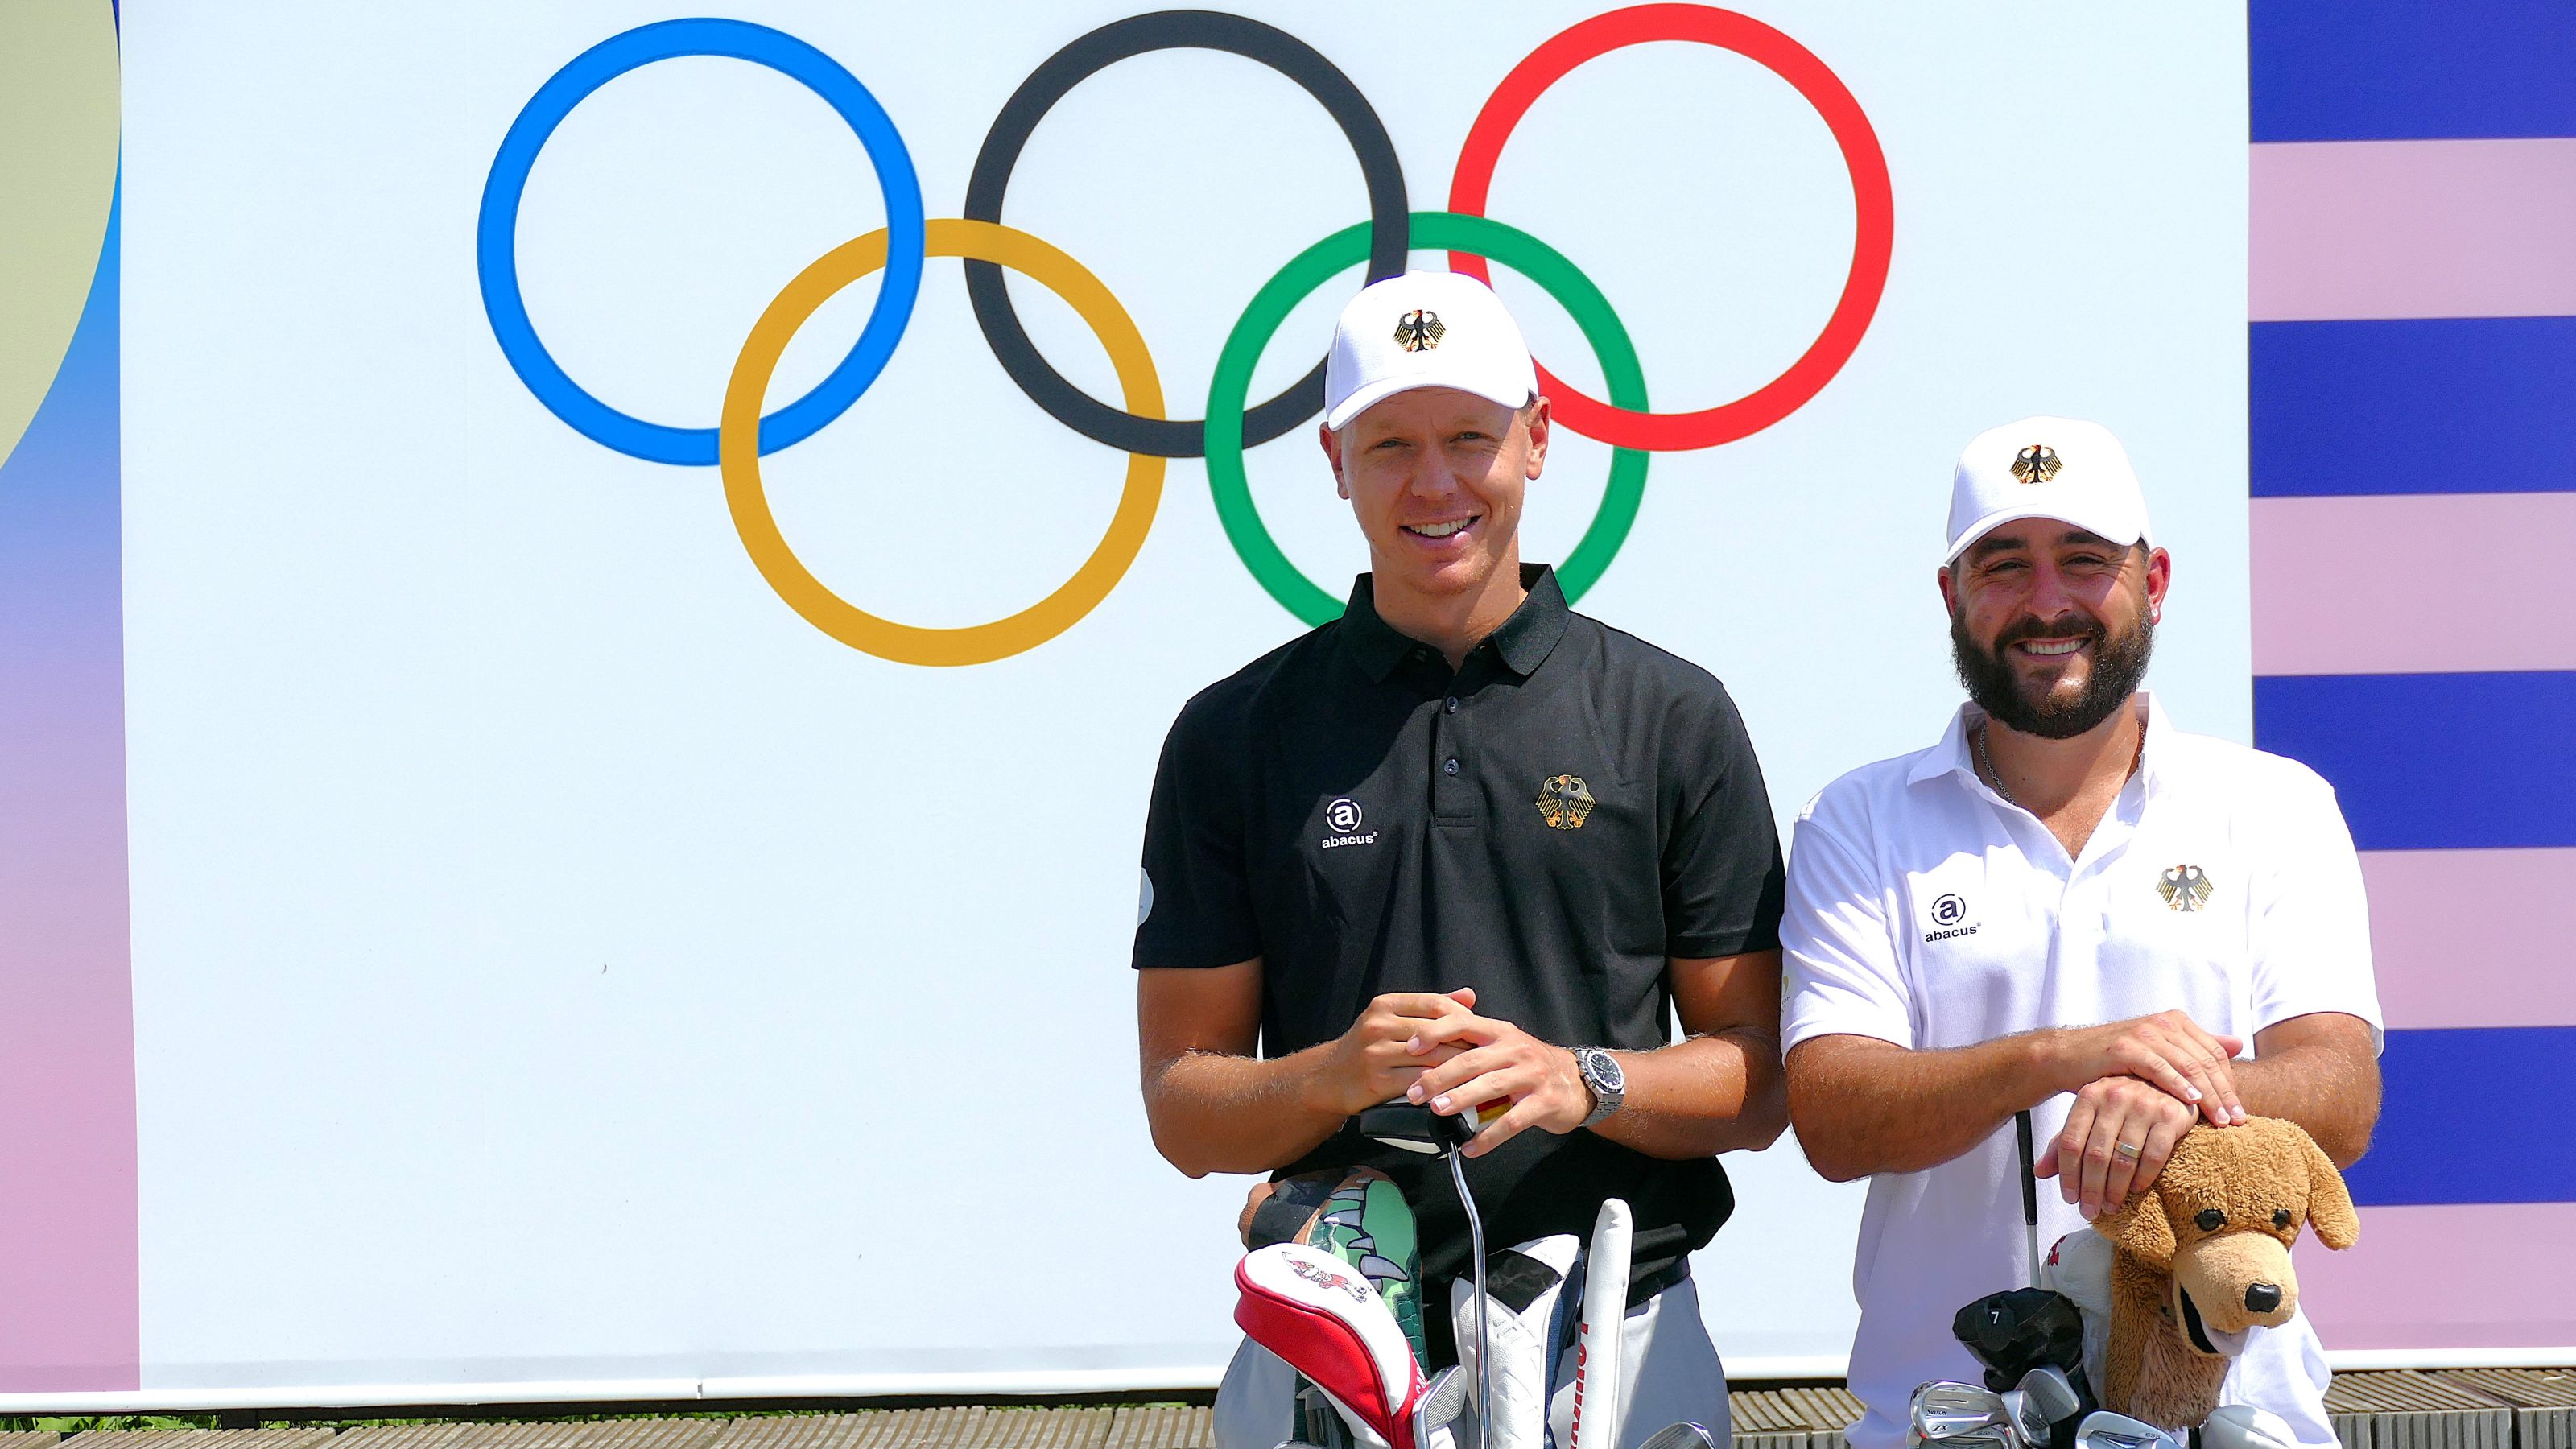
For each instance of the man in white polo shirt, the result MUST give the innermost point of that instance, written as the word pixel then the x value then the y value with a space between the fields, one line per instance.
pixel 2068 905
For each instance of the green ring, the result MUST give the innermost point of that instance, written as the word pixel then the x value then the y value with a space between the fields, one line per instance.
pixel 1311 268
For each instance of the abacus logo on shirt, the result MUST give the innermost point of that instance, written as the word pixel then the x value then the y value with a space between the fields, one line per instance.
pixel 1343 818
pixel 1950 918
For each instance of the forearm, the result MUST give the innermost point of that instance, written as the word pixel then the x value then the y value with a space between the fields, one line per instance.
pixel 1702 1096
pixel 1214 1112
pixel 2323 1089
pixel 1864 1106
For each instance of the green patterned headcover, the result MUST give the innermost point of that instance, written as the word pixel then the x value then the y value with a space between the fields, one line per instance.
pixel 1367 1223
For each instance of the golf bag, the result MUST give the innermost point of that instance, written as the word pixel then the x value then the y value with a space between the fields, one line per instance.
pixel 1313 1368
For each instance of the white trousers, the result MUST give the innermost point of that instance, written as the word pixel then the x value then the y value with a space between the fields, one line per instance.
pixel 1670 1370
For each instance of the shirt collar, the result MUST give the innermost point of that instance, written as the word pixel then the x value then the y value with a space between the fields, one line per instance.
pixel 1950 756
pixel 1523 643
pixel 2159 746
pixel 1955 756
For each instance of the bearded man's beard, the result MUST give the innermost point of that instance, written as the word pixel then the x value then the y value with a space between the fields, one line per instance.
pixel 2119 663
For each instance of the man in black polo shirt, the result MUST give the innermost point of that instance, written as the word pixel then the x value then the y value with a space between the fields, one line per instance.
pixel 1464 845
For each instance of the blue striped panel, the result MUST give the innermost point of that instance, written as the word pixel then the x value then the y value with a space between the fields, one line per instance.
pixel 2434 761
pixel 2387 70
pixel 2453 405
pixel 2486 1114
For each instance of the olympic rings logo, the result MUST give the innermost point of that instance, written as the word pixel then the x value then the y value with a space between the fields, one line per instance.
pixel 1139 426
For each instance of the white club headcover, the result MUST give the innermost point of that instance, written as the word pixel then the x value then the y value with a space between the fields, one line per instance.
pixel 1320 1315
pixel 2243 1426
pixel 2079 1266
pixel 1524 1342
pixel 1594 1412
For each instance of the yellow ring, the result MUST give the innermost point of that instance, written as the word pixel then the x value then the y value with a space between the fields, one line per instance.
pixel 738 451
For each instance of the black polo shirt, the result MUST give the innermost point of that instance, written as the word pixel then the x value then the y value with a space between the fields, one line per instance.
pixel 1547 824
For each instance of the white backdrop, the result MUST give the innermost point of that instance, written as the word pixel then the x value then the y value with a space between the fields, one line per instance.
pixel 555 962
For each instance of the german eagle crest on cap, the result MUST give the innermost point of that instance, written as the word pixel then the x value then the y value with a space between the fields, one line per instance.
pixel 1419 330
pixel 2035 464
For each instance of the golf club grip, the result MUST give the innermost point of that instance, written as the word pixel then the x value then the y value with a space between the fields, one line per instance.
pixel 2029 1170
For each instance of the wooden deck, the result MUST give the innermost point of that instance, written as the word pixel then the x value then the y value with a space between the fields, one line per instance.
pixel 2397 1409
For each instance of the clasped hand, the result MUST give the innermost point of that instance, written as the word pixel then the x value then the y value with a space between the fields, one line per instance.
pixel 1435 1049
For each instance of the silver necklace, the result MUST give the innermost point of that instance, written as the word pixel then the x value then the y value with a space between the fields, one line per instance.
pixel 2006 791
pixel 1991 772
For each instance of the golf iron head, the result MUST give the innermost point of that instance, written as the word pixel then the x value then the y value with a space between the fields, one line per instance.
pixel 2243 1426
pixel 2047 1404
pixel 2103 1429
pixel 2052 1394
pixel 2029 1422
pixel 1441 1401
pixel 1955 1413
pixel 1993 1436
pixel 1684 1435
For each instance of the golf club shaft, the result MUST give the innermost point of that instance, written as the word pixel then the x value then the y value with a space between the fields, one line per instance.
pixel 2029 1191
pixel 1484 1341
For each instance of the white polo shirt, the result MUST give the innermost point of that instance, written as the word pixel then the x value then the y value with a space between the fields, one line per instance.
pixel 1926 911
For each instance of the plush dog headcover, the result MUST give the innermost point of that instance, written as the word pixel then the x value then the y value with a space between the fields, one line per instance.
pixel 2203 1256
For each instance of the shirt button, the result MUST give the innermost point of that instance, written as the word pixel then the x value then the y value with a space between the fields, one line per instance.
pixel 1449 766
pixel 1452 705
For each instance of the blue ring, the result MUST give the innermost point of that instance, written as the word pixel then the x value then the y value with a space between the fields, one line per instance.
pixel 496 234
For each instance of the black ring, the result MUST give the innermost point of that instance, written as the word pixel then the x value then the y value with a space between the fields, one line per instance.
pixel 1088 56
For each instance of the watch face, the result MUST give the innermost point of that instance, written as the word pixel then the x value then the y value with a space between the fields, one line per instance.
pixel 1604 1069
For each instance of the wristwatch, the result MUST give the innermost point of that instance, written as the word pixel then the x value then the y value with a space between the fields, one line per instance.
pixel 1602 1075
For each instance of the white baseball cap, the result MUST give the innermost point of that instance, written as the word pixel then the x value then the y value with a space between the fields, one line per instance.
pixel 2061 468
pixel 1424 329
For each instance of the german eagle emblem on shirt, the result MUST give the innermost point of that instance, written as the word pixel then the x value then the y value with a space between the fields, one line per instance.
pixel 1566 802
pixel 2035 464
pixel 2184 888
pixel 1419 330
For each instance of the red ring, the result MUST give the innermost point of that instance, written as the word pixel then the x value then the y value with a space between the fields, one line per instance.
pixel 1874 204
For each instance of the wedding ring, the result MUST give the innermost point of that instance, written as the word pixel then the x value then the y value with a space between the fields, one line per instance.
pixel 2125 1150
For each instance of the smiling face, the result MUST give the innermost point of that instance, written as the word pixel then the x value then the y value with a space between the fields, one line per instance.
pixel 2051 627
pixel 1435 477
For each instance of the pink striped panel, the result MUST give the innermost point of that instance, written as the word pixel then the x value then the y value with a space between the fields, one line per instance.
pixel 2473 937
pixel 2413 583
pixel 2413 229
pixel 2494 1275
